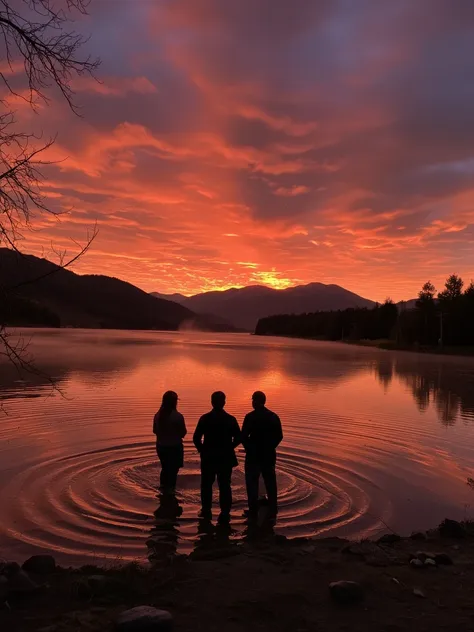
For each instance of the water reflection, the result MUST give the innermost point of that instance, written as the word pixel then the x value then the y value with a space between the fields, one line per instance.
pixel 164 536
pixel 214 541
pixel 445 383
pixel 78 474
pixel 101 358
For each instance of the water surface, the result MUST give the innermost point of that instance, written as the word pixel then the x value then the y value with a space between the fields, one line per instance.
pixel 373 439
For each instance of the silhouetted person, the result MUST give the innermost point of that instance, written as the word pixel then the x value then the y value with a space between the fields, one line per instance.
pixel 261 434
pixel 216 437
pixel 169 428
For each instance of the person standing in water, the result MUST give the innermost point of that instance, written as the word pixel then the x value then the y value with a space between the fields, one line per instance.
pixel 170 429
pixel 261 435
pixel 216 437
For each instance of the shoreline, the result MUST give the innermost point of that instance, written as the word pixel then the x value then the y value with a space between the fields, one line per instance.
pixel 422 582
pixel 386 345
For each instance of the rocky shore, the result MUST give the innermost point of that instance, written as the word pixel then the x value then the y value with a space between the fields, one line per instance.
pixel 425 582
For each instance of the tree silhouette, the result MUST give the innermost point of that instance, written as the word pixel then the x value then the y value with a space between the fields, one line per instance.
pixel 452 290
pixel 450 317
pixel 39 51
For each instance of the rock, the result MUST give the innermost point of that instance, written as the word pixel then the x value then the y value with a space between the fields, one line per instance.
pixel 346 592
pixel 418 535
pixel 416 563
pixel 21 583
pixel 389 538
pixel 451 529
pixel 40 564
pixel 359 549
pixel 144 619
pixel 443 559
pixel 430 562
pixel 419 593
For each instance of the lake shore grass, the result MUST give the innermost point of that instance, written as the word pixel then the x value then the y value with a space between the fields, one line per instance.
pixel 269 584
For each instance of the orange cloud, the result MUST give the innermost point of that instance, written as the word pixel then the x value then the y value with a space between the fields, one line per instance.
pixel 224 148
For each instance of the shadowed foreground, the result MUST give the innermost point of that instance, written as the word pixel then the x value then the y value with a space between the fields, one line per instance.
pixel 267 584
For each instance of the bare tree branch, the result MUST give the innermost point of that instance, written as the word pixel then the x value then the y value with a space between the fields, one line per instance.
pixel 49 52
pixel 41 51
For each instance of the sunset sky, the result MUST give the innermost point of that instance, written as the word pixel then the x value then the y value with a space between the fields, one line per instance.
pixel 234 142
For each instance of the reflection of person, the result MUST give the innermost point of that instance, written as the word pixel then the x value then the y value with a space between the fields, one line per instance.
pixel 163 541
pixel 216 437
pixel 261 434
pixel 169 428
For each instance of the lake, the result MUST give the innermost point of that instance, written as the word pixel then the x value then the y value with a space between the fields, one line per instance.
pixel 373 440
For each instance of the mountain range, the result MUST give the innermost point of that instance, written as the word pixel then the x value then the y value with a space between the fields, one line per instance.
pixel 243 307
pixel 34 291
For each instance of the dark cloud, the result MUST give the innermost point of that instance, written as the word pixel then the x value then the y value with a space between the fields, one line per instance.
pixel 347 124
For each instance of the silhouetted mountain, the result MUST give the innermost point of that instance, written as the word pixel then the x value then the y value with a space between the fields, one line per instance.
pixel 63 298
pixel 176 298
pixel 245 306
pixel 217 322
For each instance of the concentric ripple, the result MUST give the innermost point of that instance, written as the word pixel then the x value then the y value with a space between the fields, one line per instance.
pixel 104 503
pixel 79 474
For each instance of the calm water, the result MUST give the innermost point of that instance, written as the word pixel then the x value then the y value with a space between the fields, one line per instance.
pixel 372 438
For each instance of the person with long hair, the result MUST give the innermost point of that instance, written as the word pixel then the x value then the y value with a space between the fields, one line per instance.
pixel 170 429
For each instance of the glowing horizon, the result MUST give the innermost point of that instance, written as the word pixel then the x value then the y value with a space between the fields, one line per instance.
pixel 232 144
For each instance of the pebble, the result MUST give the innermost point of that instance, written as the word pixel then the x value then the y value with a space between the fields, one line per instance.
pixel 451 529
pixel 144 619
pixel 346 592
pixel 416 562
pixel 418 535
pixel 40 564
pixel 430 562
pixel 419 593
pixel 425 555
pixel 443 559
pixel 389 538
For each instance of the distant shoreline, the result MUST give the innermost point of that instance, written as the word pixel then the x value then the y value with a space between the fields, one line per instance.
pixel 387 345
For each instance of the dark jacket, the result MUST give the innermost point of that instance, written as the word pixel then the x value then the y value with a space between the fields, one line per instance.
pixel 261 434
pixel 216 437
pixel 169 429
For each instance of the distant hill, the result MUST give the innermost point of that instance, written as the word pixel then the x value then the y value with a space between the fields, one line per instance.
pixel 63 298
pixel 176 298
pixel 243 307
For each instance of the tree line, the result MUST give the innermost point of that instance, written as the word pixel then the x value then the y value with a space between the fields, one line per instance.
pixel 438 318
